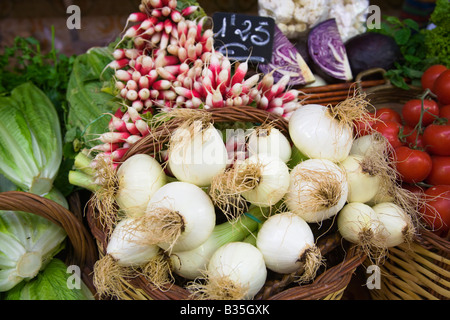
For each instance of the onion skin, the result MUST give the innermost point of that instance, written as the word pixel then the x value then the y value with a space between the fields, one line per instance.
pixel 357 223
pixel 138 177
pixel 363 186
pixel 317 135
pixel 128 247
pixel 309 179
pixel 196 209
pixel 199 158
pixel 283 239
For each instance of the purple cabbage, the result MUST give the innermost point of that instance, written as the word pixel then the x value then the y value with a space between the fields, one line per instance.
pixel 327 51
pixel 286 59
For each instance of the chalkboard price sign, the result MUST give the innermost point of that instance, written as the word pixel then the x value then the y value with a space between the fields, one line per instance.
pixel 243 37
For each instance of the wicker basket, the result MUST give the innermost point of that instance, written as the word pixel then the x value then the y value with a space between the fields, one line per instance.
pixel 342 259
pixel 81 249
pixel 386 95
pixel 332 94
pixel 422 269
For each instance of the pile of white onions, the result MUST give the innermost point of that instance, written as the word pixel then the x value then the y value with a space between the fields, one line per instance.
pixel 265 196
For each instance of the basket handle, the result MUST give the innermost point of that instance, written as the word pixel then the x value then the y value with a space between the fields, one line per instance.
pixel 371 72
pixel 84 249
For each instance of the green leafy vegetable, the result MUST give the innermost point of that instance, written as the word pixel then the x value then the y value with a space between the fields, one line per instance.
pixel 51 284
pixel 25 61
pixel 420 48
pixel 27 243
pixel 410 39
pixel 90 98
pixel 30 139
pixel 437 40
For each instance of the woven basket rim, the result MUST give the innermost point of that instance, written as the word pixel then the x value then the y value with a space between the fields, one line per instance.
pixel 338 276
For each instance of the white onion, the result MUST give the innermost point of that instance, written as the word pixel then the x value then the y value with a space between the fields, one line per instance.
pixel 318 190
pixel 128 254
pixel 235 271
pixel 317 134
pixel 273 181
pixel 192 263
pixel 363 178
pixel 128 245
pixel 197 155
pixel 270 141
pixel 369 143
pixel 358 223
pixel 191 206
pixel 138 179
pixel 397 224
pixel 287 243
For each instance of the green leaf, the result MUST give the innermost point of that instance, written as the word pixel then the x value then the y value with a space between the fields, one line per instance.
pixel 88 102
pixel 402 36
pixel 23 233
pixel 412 24
pixel 30 139
pixel 54 283
pixel 393 20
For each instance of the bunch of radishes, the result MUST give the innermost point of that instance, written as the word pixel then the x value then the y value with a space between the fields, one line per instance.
pixel 165 61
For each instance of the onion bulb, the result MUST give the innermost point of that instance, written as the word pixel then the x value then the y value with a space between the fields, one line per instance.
pixel 363 176
pixel 272 182
pixel 368 144
pixel 236 271
pixel 197 154
pixel 270 141
pixel 138 179
pixel 358 223
pixel 397 225
pixel 318 134
pixel 327 132
pixel 318 190
pixel 260 179
pixel 287 244
pixel 192 263
pixel 128 251
pixel 180 216
pixel 128 245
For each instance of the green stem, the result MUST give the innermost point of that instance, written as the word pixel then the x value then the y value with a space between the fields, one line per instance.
pixel 418 127
pixel 55 60
pixel 83 180
pixel 83 163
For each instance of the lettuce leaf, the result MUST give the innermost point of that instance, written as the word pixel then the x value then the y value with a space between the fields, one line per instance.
pixel 30 139
pixel 90 98
pixel 50 284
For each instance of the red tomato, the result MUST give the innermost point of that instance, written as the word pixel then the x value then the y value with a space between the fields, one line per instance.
pixel 444 112
pixel 440 171
pixel 364 127
pixel 410 136
pixel 431 74
pixel 412 165
pixel 437 139
pixel 414 188
pixel 436 211
pixel 441 87
pixel 411 112
pixel 388 114
pixel 390 130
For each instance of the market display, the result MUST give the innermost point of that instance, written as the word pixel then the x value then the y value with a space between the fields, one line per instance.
pixel 212 178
